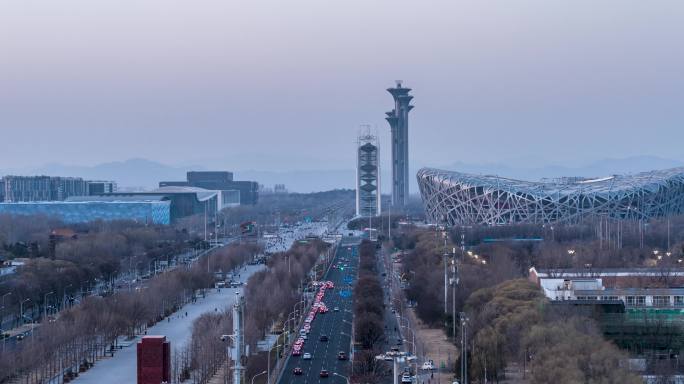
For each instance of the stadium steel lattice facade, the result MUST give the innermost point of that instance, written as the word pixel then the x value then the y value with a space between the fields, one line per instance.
pixel 456 198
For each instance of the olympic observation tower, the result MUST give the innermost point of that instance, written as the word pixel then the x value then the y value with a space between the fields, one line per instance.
pixel 398 121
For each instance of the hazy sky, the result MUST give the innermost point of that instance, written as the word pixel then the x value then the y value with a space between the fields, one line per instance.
pixel 288 82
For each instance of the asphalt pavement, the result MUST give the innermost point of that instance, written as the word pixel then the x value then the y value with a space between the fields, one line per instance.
pixel 336 325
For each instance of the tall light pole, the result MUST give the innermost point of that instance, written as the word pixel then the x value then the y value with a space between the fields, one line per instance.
pixel 2 317
pixel 454 283
pixel 149 266
pixel 258 374
pixel 344 377
pixel 84 288
pixel 464 353
pixel 21 309
pixel 446 279
pixel 205 219
pixel 64 295
pixel 45 305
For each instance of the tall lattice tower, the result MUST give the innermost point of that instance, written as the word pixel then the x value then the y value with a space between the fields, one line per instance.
pixel 398 121
pixel 368 175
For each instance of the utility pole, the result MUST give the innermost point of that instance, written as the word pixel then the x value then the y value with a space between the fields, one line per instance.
pixel 389 221
pixel 464 346
pixel 446 279
pixel 238 339
pixel 454 283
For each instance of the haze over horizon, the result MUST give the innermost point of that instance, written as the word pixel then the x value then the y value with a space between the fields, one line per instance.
pixel 277 86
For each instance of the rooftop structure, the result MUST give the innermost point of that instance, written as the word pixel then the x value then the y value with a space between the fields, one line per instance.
pixel 398 121
pixel 636 287
pixel 456 198
pixel 185 201
pixel 218 181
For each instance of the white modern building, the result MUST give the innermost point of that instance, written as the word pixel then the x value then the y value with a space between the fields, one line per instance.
pixel 636 287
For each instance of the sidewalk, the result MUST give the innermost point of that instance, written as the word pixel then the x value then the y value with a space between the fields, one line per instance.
pixel 122 368
pixel 431 343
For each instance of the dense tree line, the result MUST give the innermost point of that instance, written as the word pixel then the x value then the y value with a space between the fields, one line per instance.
pixel 572 247
pixel 272 293
pixel 508 316
pixel 513 322
pixel 93 256
pixel 607 243
pixel 423 270
pixel 369 308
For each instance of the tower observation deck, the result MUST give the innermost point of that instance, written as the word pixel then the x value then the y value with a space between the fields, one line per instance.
pixel 398 121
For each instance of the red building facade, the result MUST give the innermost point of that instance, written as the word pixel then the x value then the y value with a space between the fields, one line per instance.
pixel 154 360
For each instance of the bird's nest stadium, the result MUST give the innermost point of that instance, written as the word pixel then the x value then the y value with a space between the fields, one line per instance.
pixel 455 198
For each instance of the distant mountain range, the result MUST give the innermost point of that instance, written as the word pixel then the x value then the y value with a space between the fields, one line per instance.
pixel 141 174
pixel 605 167
pixel 131 174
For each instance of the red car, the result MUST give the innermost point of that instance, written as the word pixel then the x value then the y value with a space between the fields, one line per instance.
pixel 324 373
pixel 297 371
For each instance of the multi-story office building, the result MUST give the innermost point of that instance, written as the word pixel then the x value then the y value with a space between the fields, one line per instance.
pixel 368 176
pixel 100 187
pixel 219 181
pixel 49 188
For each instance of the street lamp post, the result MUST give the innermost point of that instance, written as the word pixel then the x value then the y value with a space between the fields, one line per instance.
pixel 344 377
pixel 258 374
pixel 464 344
pixel 2 317
pixel 268 360
pixel 21 309
pixel 413 339
pixel 45 303
pixel 149 266
pixel 64 295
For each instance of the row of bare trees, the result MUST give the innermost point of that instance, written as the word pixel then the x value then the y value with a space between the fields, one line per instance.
pixel 92 257
pixel 369 309
pixel 86 332
pixel 271 294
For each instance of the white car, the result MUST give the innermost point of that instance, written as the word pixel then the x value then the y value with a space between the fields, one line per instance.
pixel 306 356
pixel 428 366
pixel 406 378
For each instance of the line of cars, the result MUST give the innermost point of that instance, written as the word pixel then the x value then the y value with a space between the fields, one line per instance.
pixel 318 307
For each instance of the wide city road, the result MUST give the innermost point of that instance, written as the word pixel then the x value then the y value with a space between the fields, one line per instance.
pixel 336 325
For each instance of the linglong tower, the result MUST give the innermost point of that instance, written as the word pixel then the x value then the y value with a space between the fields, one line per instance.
pixel 398 121
pixel 368 176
